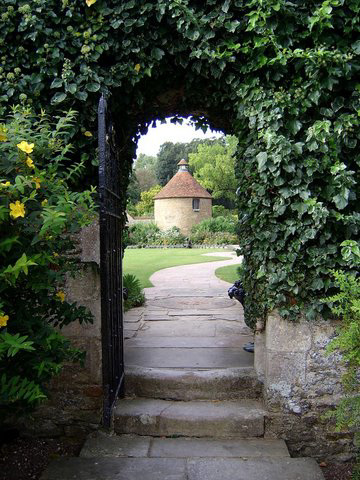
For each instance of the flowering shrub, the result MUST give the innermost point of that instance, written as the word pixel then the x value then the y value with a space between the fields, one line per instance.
pixel 38 214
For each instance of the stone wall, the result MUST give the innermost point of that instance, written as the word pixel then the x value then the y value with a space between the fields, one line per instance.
pixel 178 212
pixel 75 403
pixel 301 383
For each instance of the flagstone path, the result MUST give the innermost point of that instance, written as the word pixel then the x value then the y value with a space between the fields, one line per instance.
pixel 193 408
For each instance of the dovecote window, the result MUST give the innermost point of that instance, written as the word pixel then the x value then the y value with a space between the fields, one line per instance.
pixel 196 204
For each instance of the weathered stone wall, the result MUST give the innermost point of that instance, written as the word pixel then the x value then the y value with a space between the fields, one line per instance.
pixel 301 383
pixel 75 403
pixel 178 212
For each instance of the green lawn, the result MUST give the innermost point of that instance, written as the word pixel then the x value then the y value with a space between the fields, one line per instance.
pixel 228 274
pixel 143 262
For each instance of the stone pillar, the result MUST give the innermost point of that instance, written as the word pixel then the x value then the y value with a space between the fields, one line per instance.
pixel 75 403
pixel 301 383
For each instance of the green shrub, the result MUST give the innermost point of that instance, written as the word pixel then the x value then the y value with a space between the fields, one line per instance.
pixel 172 236
pixel 38 214
pixel 217 224
pixel 146 204
pixel 142 234
pixel 346 305
pixel 135 293
pixel 217 238
pixel 221 211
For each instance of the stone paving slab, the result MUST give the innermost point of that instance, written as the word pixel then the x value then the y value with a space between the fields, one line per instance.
pixel 201 447
pixel 193 384
pixel 259 469
pixel 189 342
pixel 101 444
pixel 178 329
pixel 197 312
pixel 185 303
pixel 116 469
pixel 188 358
pixel 131 326
pixel 242 418
pixel 182 469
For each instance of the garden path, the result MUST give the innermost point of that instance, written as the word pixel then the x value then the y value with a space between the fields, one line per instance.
pixel 193 408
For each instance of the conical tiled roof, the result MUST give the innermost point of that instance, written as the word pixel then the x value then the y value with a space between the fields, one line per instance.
pixel 183 185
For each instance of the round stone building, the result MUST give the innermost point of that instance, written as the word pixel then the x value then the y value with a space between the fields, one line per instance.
pixel 183 202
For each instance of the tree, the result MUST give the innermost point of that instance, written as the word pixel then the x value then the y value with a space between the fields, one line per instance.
pixel 133 190
pixel 146 162
pixel 146 204
pixel 214 168
pixel 146 179
pixel 170 155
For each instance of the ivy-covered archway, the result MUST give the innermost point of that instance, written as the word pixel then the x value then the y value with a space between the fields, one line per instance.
pixel 281 75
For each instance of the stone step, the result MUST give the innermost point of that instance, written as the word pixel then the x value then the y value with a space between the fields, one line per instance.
pixel 191 384
pixel 182 469
pixel 219 419
pixel 101 444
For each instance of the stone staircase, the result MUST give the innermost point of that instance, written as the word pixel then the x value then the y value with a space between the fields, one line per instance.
pixel 193 409
pixel 179 424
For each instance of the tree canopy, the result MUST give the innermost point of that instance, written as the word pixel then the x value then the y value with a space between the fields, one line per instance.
pixel 170 155
pixel 214 168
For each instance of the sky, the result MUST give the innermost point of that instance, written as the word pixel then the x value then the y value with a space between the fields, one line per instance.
pixel 149 144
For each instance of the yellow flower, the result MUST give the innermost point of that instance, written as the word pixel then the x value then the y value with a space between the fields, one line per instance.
pixel 37 181
pixel 3 320
pixel 17 209
pixel 61 296
pixel 137 67
pixel 6 184
pixel 26 147
pixel 55 254
pixel 3 137
pixel 44 202
pixel 30 163
pixel 90 2
pixel 88 134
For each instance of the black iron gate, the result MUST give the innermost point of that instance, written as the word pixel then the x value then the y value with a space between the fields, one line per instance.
pixel 110 261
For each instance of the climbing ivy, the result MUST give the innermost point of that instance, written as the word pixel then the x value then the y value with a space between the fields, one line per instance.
pixel 283 76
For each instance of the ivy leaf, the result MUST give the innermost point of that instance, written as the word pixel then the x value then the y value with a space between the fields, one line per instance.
pixel 294 126
pixel 71 88
pixel 157 53
pixel 225 7
pixel 93 87
pixel 58 98
pixel 337 103
pixel 298 148
pixel 356 47
pixel 81 95
pixel 56 83
pixel 341 200
pixel 261 158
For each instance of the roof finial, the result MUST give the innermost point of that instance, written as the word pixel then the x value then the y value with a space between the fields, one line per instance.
pixel 183 166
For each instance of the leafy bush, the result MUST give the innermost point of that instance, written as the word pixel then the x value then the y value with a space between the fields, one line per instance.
pixel 221 211
pixel 146 204
pixel 135 294
pixel 38 214
pixel 142 234
pixel 346 305
pixel 217 238
pixel 217 224
pixel 172 236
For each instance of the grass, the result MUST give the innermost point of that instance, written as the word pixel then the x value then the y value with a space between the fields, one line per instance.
pixel 143 262
pixel 228 274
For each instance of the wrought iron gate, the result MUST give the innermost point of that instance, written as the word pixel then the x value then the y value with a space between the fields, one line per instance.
pixel 110 262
